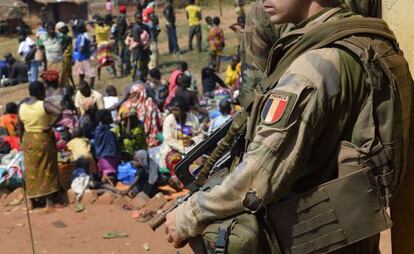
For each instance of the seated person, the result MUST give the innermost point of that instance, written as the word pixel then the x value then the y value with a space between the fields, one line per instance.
pixel 225 109
pixel 18 70
pixel 106 146
pixel 156 88
pixel 190 97
pixel 148 174
pixel 9 119
pixel 131 136
pixel 210 80
pixel 87 98
pixel 70 118
pixel 81 149
pixel 233 74
pixel 181 130
pixel 110 99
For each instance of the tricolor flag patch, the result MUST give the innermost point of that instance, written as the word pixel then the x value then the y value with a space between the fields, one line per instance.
pixel 275 108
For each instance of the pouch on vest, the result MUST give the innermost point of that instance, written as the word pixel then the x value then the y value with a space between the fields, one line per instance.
pixel 239 234
pixel 322 220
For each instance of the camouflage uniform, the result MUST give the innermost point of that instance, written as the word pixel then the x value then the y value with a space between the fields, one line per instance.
pixel 295 133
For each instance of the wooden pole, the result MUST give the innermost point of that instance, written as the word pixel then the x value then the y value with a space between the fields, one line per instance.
pixel 221 10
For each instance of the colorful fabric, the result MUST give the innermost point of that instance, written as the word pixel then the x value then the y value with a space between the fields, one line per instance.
pixel 13 141
pixel 216 39
pixel 172 159
pixel 135 141
pixel 172 87
pixel 69 120
pixel 40 158
pixel 108 165
pixel 146 14
pixel 104 53
pixel 41 35
pixel 9 122
pixel 178 137
pixel 49 76
pixel 147 112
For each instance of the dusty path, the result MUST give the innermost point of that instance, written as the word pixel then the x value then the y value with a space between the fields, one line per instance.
pixel 82 234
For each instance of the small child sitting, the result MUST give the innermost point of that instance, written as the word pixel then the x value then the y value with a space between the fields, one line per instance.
pixel 9 119
pixel 81 149
pixel 106 147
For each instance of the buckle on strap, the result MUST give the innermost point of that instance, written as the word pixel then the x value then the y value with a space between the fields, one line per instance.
pixel 221 243
pixel 386 179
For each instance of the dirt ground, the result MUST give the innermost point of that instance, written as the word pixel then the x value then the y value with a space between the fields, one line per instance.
pixel 82 234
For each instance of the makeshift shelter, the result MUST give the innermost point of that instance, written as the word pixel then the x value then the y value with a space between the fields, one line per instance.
pixel 58 10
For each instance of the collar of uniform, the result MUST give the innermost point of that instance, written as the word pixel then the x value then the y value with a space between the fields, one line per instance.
pixel 289 38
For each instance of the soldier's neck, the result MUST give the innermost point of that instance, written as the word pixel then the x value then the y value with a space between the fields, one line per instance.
pixel 313 9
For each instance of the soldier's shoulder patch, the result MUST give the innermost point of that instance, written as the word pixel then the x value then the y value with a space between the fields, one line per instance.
pixel 278 107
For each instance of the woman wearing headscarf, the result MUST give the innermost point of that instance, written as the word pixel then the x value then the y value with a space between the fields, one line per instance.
pixel 137 102
pixel 36 119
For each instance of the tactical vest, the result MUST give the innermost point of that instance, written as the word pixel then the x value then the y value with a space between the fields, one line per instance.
pixel 353 206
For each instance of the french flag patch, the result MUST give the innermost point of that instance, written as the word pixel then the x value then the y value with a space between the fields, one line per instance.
pixel 274 108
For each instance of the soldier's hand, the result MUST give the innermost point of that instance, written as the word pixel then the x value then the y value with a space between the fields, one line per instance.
pixel 171 231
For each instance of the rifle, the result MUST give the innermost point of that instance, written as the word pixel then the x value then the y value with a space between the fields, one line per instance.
pixel 204 147
pixel 217 177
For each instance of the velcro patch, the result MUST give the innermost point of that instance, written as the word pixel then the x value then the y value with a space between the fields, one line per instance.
pixel 277 107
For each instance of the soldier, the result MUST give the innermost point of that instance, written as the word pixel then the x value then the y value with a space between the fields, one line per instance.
pixel 326 130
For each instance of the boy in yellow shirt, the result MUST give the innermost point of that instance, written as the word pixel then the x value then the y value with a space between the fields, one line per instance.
pixel 194 17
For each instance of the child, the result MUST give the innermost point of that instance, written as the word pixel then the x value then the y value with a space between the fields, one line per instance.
pixel 81 149
pixel 233 74
pixel 106 148
pixel 216 41
pixel 208 25
pixel 8 121
pixel 225 109
pixel 111 99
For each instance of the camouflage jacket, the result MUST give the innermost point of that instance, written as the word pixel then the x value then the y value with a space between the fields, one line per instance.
pixel 300 125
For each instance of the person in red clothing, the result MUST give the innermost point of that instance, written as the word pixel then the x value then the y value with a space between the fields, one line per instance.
pixel 9 119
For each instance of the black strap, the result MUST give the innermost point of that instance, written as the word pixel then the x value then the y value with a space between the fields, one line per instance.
pixel 322 36
pixel 223 236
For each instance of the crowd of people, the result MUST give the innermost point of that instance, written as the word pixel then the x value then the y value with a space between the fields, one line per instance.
pixel 133 138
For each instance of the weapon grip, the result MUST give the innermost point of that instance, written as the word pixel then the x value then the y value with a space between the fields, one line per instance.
pixel 158 221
